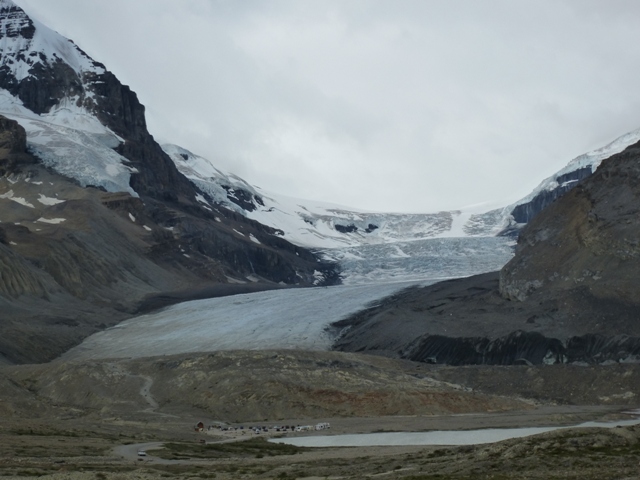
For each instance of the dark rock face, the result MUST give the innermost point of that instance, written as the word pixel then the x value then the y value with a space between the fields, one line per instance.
pixel 118 107
pixel 245 200
pixel 530 348
pixel 515 348
pixel 526 212
pixel 354 228
pixel 600 349
pixel 346 228
pixel 590 239
pixel 18 24
pixel 568 296
pixel 13 147
pixel 39 96
pixel 466 322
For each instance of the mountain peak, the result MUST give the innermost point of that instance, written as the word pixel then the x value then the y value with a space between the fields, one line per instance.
pixel 16 23
pixel 30 51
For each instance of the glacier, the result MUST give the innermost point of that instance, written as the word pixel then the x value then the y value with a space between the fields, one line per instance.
pixel 288 318
pixel 379 253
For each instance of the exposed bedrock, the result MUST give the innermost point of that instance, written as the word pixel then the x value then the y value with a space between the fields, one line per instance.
pixel 526 212
pixel 530 348
pixel 568 296
pixel 13 147
pixel 588 239
pixel 467 322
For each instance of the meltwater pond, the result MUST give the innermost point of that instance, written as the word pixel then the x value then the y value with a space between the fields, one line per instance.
pixel 450 437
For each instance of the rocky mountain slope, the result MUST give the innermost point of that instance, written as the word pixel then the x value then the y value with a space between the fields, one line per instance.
pixel 96 222
pixel 568 295
pixel 75 260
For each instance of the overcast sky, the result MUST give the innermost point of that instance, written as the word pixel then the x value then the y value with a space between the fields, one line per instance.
pixel 390 105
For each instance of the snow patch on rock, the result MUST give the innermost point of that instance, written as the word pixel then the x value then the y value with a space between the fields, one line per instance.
pixel 52 221
pixel 43 199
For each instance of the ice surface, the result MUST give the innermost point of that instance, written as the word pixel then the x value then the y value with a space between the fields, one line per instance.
pixel 297 318
pixel 434 258
pixel 76 146
pixel 290 318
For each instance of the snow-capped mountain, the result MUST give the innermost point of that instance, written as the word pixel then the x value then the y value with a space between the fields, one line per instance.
pixel 391 247
pixel 49 86
pixel 325 226
pixel 84 124
pixel 308 223
pixel 96 222
pixel 81 122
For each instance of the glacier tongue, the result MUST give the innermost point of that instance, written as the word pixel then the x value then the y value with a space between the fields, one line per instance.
pixel 292 318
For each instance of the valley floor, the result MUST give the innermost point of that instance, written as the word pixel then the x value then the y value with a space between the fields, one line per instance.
pixel 87 420
pixel 76 449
